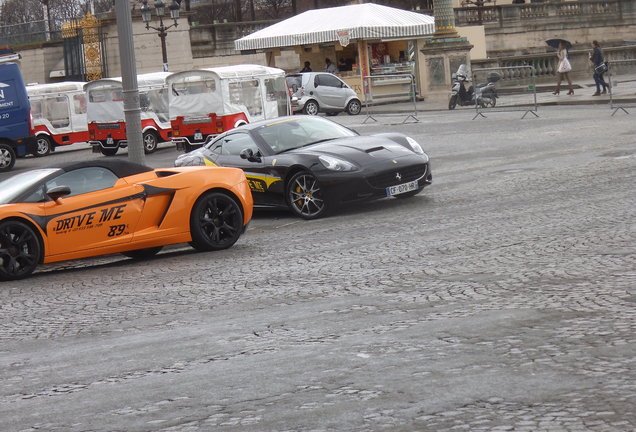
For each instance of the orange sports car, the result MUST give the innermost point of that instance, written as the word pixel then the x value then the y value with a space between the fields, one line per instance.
pixel 101 207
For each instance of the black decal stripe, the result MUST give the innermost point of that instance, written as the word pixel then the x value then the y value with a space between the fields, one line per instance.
pixel 43 221
pixel 154 190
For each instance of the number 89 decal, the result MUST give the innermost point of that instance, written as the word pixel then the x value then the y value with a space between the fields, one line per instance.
pixel 116 230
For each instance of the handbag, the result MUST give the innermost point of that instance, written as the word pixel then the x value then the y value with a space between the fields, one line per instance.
pixel 602 68
pixel 564 66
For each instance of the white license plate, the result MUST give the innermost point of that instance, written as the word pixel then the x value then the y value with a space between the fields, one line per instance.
pixel 110 141
pixel 198 136
pixel 401 188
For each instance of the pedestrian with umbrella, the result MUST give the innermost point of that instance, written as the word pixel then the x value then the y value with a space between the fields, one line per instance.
pixel 564 67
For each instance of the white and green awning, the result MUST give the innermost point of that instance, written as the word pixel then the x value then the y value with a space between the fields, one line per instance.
pixel 360 21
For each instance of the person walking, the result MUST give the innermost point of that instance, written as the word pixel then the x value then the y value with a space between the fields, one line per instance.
pixel 598 60
pixel 564 69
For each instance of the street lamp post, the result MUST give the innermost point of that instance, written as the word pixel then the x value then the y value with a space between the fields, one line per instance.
pixel 146 16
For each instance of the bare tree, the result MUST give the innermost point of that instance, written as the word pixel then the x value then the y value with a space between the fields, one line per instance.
pixel 20 12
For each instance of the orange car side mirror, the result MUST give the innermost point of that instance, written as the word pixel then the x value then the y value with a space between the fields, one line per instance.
pixel 58 192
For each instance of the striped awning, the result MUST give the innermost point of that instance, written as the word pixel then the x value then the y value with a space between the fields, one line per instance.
pixel 361 21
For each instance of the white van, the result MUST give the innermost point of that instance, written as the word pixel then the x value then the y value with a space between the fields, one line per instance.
pixel 59 114
pixel 106 119
pixel 206 102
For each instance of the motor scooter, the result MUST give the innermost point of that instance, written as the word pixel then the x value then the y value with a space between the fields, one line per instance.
pixel 484 94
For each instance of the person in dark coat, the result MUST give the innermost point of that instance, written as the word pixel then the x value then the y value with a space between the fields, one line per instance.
pixel 597 59
pixel 307 67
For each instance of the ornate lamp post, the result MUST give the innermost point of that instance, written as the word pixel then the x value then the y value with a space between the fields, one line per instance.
pixel 146 16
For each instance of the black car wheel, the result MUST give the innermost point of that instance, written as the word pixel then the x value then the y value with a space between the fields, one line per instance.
pixel 311 107
pixel 150 142
pixel 7 157
pixel 109 151
pixel 216 222
pixel 19 250
pixel 354 107
pixel 304 196
pixel 453 102
pixel 44 146
pixel 142 253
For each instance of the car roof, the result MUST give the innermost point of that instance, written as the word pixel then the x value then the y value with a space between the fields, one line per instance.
pixel 121 168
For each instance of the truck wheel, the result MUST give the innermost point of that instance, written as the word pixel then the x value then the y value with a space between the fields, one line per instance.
pixel 7 157
pixel 150 142
pixel 44 146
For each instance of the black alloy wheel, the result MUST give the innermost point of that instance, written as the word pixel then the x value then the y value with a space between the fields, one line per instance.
pixel 304 196
pixel 311 107
pixel 44 145
pixel 140 254
pixel 7 157
pixel 354 107
pixel 150 142
pixel 216 222
pixel 20 250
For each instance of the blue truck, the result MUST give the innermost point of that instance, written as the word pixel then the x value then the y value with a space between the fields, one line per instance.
pixel 15 117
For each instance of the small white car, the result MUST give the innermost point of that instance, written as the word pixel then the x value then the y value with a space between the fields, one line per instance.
pixel 315 92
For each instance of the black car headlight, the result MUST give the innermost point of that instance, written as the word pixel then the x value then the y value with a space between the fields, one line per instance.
pixel 415 146
pixel 336 164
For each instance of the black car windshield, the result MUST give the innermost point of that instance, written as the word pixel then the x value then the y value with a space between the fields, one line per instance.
pixel 15 186
pixel 293 133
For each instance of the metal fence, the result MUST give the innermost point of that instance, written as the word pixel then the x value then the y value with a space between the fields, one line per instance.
pixel 622 80
pixel 382 89
pixel 502 89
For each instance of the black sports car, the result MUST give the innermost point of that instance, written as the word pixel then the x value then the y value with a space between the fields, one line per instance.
pixel 312 165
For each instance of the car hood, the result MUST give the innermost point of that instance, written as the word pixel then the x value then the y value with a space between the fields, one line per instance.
pixel 359 149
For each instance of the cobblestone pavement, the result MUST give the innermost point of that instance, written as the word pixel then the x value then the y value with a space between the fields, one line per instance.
pixel 500 299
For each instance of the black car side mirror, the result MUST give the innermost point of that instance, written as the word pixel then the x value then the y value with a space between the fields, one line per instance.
pixel 58 192
pixel 249 155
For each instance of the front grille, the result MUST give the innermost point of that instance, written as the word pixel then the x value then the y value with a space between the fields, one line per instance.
pixel 390 177
pixel 108 126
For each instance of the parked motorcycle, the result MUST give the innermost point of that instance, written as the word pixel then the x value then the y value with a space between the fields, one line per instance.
pixel 484 94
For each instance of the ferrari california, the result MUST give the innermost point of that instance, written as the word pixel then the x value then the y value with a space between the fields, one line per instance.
pixel 101 207
pixel 312 165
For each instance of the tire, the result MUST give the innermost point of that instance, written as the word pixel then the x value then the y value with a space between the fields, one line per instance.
pixel 20 250
pixel 216 222
pixel 140 254
pixel 493 101
pixel 354 107
pixel 7 157
pixel 304 196
pixel 452 103
pixel 109 151
pixel 44 145
pixel 311 107
pixel 150 142
pixel 408 194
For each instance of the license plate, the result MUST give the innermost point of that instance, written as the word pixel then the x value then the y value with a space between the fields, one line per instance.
pixel 401 188
pixel 198 136
pixel 110 141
